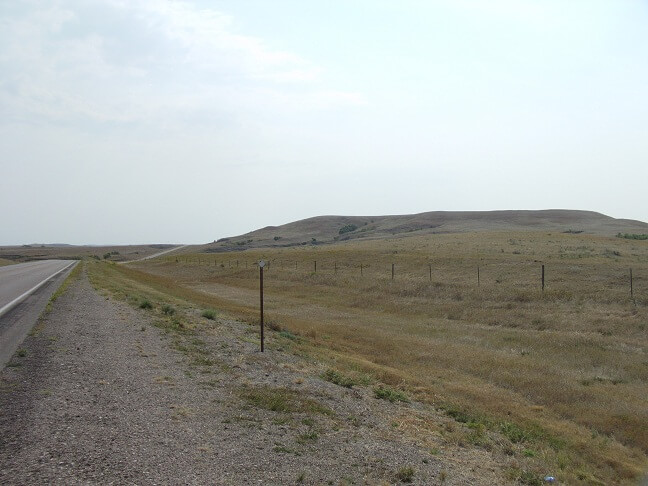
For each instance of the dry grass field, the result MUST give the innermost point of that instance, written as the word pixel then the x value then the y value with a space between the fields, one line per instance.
pixel 25 253
pixel 557 379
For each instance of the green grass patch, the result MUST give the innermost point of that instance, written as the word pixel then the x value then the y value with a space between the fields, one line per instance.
pixel 283 400
pixel 202 361
pixel 288 335
pixel 280 449
pixel 390 394
pixel 338 378
pixel 517 434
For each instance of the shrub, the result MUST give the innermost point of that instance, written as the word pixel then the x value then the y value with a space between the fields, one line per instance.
pixel 632 236
pixel 209 314
pixel 168 310
pixel 145 304
pixel 277 238
pixel 348 228
pixel 107 256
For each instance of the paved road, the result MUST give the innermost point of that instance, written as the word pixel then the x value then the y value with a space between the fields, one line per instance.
pixel 15 280
pixel 24 292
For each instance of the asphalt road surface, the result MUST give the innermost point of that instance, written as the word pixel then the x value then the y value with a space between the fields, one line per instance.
pixel 24 292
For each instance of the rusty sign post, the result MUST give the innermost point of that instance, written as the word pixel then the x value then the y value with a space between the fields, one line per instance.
pixel 261 265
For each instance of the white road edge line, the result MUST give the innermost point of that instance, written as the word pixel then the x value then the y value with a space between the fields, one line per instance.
pixel 17 300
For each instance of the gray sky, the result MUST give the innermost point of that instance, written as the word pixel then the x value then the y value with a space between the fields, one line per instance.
pixel 169 121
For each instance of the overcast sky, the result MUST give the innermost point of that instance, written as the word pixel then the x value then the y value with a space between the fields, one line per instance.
pixel 125 121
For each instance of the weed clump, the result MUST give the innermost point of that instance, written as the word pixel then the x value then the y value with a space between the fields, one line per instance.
pixel 168 310
pixel 307 437
pixel 405 474
pixel 525 477
pixel 209 314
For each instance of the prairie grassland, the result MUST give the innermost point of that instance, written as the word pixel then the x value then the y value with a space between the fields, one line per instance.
pixel 567 368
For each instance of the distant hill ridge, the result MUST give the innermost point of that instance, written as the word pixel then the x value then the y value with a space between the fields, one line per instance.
pixel 330 229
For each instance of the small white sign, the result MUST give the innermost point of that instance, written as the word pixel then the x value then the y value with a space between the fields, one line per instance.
pixel 261 263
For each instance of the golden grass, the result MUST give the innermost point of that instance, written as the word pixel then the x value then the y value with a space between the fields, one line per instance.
pixel 570 363
pixel 4 262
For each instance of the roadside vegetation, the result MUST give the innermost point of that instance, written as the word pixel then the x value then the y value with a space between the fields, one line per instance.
pixel 74 274
pixel 555 380
pixel 632 236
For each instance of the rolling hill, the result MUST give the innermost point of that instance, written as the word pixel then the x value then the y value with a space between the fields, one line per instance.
pixel 331 229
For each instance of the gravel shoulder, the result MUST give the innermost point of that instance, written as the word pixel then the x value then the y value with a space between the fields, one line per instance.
pixel 103 393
